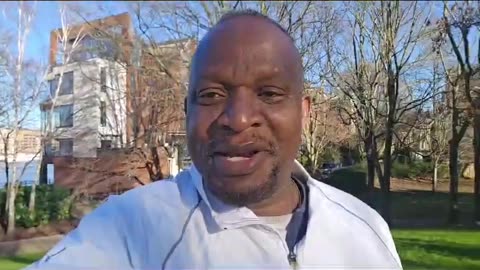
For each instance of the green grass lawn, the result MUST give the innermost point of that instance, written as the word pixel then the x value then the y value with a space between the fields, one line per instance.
pixel 18 262
pixel 419 249
pixel 409 208
pixel 438 249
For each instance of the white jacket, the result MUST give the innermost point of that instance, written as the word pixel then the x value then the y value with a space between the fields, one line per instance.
pixel 170 225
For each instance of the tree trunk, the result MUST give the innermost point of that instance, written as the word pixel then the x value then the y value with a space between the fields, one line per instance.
pixel 11 186
pixel 31 201
pixel 43 177
pixel 392 90
pixel 157 174
pixel 371 156
pixel 476 147
pixel 312 161
pixel 11 209
pixel 370 181
pixel 385 180
pixel 435 175
pixel 11 196
pixel 453 213
pixel 4 210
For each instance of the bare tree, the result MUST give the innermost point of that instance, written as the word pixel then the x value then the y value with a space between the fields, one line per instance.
pixel 400 26
pixel 439 130
pixel 357 80
pixel 428 133
pixel 379 80
pixel 458 21
pixel 324 128
pixel 68 40
pixel 21 99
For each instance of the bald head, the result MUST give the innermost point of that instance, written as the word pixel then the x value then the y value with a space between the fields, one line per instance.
pixel 254 34
pixel 251 13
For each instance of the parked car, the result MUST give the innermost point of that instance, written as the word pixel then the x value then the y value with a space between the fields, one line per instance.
pixel 328 168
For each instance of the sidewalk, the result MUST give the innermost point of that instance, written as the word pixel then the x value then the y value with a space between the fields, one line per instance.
pixel 29 246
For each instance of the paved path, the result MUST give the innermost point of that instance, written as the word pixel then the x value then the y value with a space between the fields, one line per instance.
pixel 29 246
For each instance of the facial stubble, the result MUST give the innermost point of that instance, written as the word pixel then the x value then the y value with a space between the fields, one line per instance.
pixel 252 195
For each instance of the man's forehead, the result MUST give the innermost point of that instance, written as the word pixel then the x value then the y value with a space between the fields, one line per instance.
pixel 238 47
pixel 224 66
pixel 256 34
pixel 257 45
pixel 262 57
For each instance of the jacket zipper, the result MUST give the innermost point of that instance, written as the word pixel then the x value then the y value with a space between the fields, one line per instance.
pixel 291 254
pixel 292 259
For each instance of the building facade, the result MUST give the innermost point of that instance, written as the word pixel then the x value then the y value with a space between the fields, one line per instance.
pixel 113 97
pixel 85 115
pixel 89 88
pixel 27 146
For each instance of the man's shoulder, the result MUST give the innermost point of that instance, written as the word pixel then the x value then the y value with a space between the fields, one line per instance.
pixel 161 194
pixel 114 233
pixel 349 205
pixel 166 190
pixel 342 204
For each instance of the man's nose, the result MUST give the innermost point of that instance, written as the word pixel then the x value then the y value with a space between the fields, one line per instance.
pixel 241 111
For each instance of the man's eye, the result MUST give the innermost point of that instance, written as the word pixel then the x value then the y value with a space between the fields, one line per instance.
pixel 271 94
pixel 209 95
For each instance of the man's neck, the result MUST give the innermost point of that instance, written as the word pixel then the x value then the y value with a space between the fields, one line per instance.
pixel 282 202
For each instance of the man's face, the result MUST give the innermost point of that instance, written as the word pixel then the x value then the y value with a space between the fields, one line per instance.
pixel 245 109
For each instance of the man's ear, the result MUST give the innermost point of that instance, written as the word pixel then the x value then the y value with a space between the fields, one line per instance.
pixel 306 106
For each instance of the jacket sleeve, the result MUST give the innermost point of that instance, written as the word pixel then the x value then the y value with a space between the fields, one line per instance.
pixel 99 242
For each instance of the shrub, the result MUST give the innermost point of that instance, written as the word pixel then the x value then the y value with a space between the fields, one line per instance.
pixel 351 180
pixel 412 169
pixel 443 171
pixel 401 170
pixel 422 169
pixel 350 155
pixel 51 204
pixel 330 154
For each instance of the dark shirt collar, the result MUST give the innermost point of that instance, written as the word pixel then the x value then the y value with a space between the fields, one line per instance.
pixel 297 228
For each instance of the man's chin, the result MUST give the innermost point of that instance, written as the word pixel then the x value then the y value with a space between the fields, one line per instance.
pixel 243 190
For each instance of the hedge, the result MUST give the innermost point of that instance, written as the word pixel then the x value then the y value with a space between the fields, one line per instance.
pixel 351 180
pixel 417 169
pixel 51 204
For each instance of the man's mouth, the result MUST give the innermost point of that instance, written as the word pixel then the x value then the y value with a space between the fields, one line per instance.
pixel 238 160
pixel 237 156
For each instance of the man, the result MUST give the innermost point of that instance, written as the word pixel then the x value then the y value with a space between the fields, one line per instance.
pixel 246 203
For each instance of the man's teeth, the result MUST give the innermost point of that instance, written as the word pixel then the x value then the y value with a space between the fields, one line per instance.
pixel 238 158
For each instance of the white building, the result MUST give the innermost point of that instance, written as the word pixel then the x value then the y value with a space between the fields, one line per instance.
pixel 26 147
pixel 89 110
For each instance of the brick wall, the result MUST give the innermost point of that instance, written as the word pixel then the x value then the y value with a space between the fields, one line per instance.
pixel 112 172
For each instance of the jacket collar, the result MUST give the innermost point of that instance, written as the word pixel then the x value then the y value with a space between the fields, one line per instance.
pixel 229 216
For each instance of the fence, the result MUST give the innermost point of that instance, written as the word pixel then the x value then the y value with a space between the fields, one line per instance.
pixel 29 173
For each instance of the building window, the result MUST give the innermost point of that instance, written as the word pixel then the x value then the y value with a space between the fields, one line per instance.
pixel 106 144
pixel 63 116
pixel 66 87
pixel 103 114
pixel 116 29
pixel 92 47
pixel 51 148
pixel 65 147
pixel 103 79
